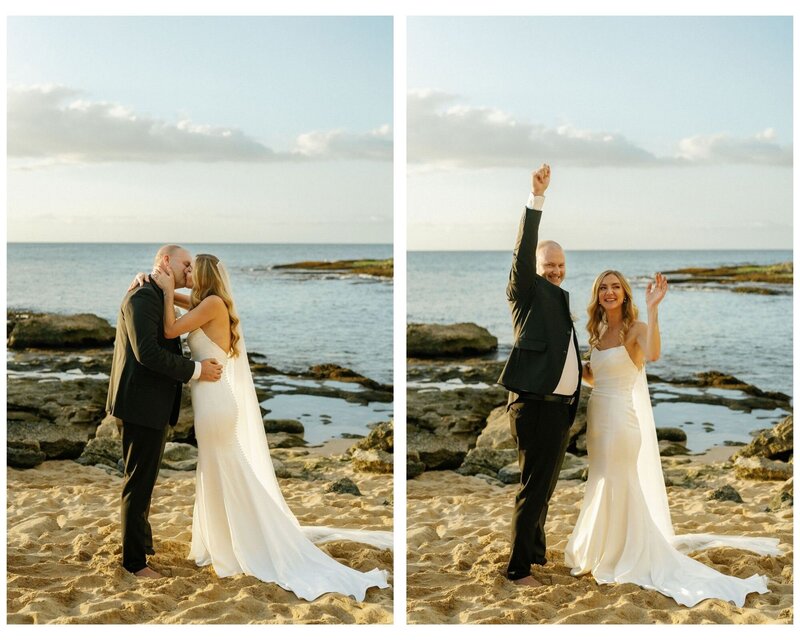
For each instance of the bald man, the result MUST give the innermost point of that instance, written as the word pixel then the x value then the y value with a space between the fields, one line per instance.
pixel 542 375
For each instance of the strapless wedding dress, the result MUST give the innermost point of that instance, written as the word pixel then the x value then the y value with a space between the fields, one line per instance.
pixel 241 523
pixel 624 531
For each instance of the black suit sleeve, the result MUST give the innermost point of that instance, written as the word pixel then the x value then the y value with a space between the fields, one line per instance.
pixel 143 319
pixel 523 265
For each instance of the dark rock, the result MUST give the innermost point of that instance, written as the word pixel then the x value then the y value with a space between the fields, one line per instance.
pixel 50 330
pixel 725 493
pixel 284 426
pixel 438 452
pixel 667 448
pixel 486 461
pixel 380 437
pixel 373 461
pixel 414 466
pixel 671 434
pixel 101 451
pixel 24 455
pixel 461 339
pixel 343 485
pixel 330 371
pixel 285 440
pixel 510 474
pixel 774 444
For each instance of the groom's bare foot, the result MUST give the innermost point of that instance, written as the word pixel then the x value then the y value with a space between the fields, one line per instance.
pixel 147 572
pixel 528 581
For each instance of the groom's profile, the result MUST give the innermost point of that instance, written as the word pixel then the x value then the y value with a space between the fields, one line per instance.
pixel 542 375
pixel 144 392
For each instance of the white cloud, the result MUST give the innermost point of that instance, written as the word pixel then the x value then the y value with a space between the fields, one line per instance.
pixel 722 148
pixel 339 144
pixel 477 137
pixel 55 124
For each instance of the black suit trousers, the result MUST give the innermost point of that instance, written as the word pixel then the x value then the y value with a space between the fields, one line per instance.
pixel 541 430
pixel 142 450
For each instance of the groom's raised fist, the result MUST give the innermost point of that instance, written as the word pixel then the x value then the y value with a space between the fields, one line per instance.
pixel 210 370
pixel 540 180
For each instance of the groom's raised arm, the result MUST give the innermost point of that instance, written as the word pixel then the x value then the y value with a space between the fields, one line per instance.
pixel 144 322
pixel 523 262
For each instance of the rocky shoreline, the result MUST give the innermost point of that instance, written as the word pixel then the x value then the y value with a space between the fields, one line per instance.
pixel 369 267
pixel 770 280
pixel 456 412
pixel 58 379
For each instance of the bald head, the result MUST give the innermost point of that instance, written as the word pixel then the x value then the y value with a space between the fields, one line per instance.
pixel 179 261
pixel 551 262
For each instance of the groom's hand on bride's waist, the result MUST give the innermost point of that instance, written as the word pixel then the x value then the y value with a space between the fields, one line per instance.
pixel 211 370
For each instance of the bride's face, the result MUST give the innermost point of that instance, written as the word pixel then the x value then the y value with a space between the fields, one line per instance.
pixel 610 293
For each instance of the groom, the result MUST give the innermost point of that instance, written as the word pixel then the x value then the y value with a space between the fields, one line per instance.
pixel 144 391
pixel 542 375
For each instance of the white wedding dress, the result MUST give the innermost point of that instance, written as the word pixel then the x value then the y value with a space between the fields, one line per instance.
pixel 241 523
pixel 624 531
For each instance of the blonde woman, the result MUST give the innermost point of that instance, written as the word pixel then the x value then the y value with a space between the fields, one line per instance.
pixel 241 523
pixel 624 531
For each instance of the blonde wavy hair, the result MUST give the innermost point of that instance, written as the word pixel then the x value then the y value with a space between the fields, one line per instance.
pixel 208 281
pixel 598 322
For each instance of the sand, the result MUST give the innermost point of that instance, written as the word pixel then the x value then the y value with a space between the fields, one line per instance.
pixel 458 542
pixel 64 553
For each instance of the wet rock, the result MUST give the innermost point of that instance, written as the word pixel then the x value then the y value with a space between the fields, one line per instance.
pixel 667 448
pixel 284 426
pixel 373 461
pixel 330 371
pixel 103 450
pixel 758 468
pixel 283 440
pixel 50 330
pixel 670 434
pixel 774 444
pixel 486 461
pixel 724 493
pixel 343 485
pixel 497 433
pixel 24 455
pixel 452 340
pixel 380 437
pixel 510 474
pixel 414 465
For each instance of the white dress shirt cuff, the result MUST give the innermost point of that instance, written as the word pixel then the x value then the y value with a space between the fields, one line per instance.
pixel 198 368
pixel 535 202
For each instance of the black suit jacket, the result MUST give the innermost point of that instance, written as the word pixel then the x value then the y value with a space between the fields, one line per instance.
pixel 542 322
pixel 147 370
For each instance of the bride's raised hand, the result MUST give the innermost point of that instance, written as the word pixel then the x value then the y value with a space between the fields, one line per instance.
pixel 138 280
pixel 162 276
pixel 656 290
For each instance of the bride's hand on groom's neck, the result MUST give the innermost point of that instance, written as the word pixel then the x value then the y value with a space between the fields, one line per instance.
pixel 138 280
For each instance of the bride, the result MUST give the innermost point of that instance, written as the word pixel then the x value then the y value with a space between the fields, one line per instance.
pixel 624 531
pixel 240 522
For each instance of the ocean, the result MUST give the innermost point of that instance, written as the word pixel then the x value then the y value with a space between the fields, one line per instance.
pixel 702 328
pixel 295 320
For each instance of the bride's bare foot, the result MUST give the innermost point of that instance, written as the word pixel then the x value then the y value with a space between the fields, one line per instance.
pixel 147 572
pixel 528 581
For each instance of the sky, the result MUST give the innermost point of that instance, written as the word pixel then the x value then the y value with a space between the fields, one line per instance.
pixel 194 129
pixel 661 133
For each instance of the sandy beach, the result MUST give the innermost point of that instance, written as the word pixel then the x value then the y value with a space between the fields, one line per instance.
pixel 64 546
pixel 458 542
